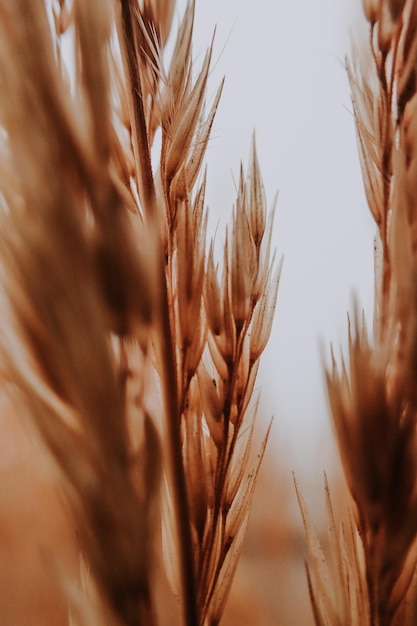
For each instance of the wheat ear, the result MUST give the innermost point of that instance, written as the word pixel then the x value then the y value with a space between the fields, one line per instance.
pixel 132 356
pixel 373 398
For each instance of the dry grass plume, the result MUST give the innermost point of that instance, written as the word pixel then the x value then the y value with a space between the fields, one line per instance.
pixel 373 394
pixel 130 351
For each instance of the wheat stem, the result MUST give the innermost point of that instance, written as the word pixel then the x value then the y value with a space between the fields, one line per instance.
pixel 164 334
pixel 177 468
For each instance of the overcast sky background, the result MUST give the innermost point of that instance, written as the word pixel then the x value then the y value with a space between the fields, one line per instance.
pixel 285 79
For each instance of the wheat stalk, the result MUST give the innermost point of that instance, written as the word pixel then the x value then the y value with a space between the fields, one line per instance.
pixel 128 351
pixel 372 398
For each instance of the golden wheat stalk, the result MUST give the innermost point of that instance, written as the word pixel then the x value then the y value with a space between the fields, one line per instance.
pixel 126 348
pixel 373 398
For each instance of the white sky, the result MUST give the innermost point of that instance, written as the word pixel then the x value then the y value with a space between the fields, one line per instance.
pixel 285 78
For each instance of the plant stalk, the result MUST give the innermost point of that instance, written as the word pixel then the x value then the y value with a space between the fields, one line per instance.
pixel 164 333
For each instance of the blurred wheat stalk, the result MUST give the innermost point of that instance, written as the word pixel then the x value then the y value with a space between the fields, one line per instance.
pixel 373 397
pixel 129 351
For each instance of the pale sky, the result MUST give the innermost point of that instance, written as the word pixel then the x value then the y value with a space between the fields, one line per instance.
pixel 285 79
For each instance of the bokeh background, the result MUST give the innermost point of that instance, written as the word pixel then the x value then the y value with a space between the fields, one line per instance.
pixel 284 64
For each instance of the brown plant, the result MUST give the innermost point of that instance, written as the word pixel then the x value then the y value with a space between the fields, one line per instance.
pixel 373 395
pixel 128 351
